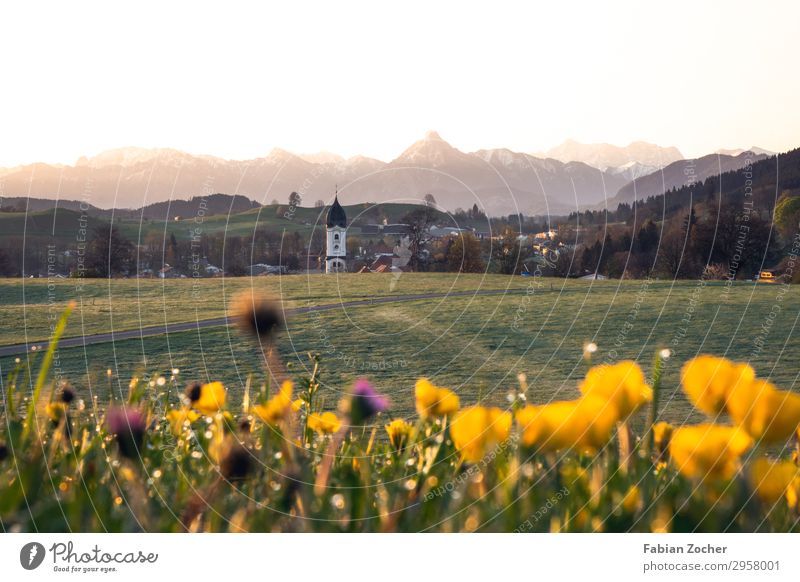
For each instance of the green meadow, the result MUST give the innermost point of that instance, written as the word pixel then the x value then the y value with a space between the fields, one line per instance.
pixel 475 344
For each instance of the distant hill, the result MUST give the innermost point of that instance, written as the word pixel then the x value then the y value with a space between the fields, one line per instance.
pixel 198 205
pixel 61 225
pixel 680 174
pixel 23 203
pixel 56 224
pixel 212 204
pixel 763 183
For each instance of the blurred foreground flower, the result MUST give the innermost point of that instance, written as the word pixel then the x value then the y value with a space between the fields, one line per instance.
pixel 767 414
pixel 632 499
pixel 206 398
pixel 662 433
pixel 235 460
pixel 324 423
pixel 258 315
pixel 477 430
pixel 128 425
pixel 773 480
pixel 180 418
pixel 708 451
pixel 56 411
pixel 399 432
pixel 67 394
pixel 364 402
pixel 708 380
pixel 276 407
pixel 434 401
pixel 622 385
pixel 584 424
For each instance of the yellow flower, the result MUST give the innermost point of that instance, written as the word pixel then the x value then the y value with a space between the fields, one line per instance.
pixel 708 380
pixel 325 423
pixel 662 433
pixel 630 502
pixel 582 424
pixel 211 398
pixel 399 432
pixel 277 407
pixel 297 405
pixel 708 450
pixel 475 430
pixel 178 417
pixel 774 479
pixel 622 384
pixel 433 400
pixel 56 411
pixel 767 414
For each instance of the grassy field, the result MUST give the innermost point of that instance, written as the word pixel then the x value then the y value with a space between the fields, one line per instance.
pixel 477 345
pixel 27 306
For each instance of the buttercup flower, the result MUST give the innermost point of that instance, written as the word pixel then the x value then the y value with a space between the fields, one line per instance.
pixel 179 417
pixel 708 451
pixel 56 411
pixel 631 499
pixel 206 398
pixel 128 425
pixel 365 402
pixel 584 424
pixel 773 480
pixel 399 432
pixel 708 381
pixel 767 414
pixel 622 385
pixel 433 400
pixel 662 433
pixel 277 407
pixel 475 430
pixel 325 423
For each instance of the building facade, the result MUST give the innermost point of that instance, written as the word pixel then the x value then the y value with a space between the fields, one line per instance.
pixel 336 244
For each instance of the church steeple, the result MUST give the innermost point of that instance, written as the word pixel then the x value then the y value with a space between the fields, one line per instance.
pixel 336 215
pixel 336 256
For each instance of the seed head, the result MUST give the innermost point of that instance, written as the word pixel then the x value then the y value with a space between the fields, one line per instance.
pixel 258 315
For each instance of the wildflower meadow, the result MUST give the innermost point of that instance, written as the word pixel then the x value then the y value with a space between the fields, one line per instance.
pixel 174 455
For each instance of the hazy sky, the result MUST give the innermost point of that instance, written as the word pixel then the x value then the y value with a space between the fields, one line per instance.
pixel 235 80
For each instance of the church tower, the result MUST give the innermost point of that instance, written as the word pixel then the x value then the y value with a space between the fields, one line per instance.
pixel 335 259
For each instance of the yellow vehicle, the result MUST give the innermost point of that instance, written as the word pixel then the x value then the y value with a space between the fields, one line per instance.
pixel 766 277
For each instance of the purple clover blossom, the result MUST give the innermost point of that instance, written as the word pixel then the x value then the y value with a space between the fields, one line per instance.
pixel 365 402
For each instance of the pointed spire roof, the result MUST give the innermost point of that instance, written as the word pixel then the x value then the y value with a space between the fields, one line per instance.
pixel 336 215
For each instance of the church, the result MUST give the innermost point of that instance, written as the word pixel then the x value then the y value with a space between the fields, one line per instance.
pixel 336 255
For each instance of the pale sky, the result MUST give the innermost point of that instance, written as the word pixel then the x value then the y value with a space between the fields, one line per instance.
pixel 235 79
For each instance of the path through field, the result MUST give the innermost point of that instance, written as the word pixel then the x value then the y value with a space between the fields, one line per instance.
pixel 152 330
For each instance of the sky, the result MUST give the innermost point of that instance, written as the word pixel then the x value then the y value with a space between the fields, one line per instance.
pixel 237 79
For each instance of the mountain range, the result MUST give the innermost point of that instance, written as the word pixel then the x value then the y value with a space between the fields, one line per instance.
pixel 681 173
pixel 499 181
pixel 605 156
